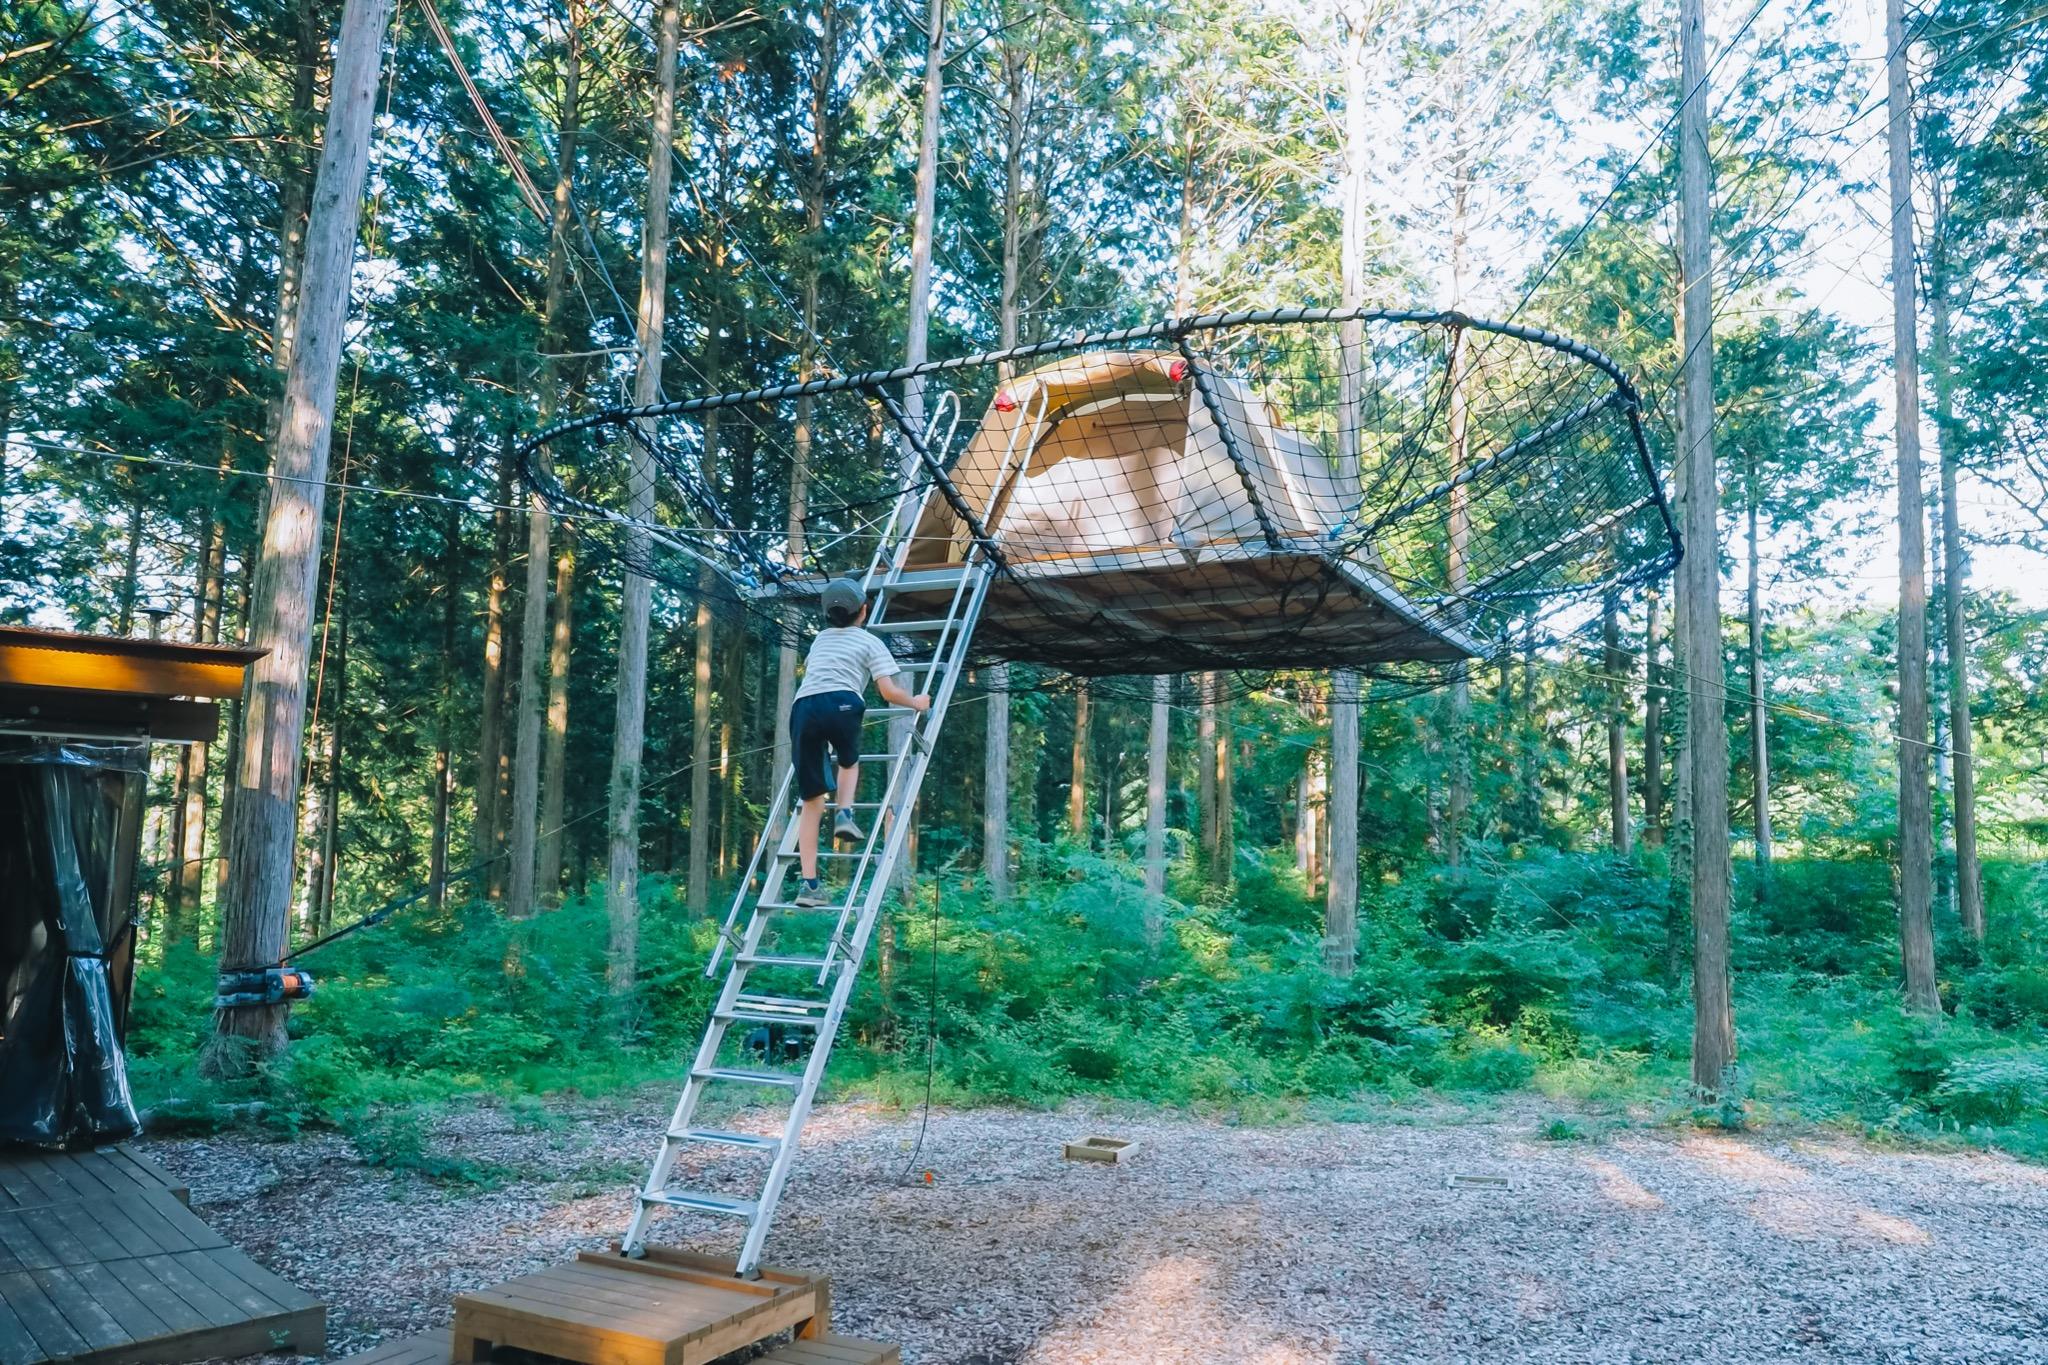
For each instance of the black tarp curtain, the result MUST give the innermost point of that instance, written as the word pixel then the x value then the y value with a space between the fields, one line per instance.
pixel 67 841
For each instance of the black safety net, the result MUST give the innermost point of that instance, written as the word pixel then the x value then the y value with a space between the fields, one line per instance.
pixel 1395 492
pixel 68 823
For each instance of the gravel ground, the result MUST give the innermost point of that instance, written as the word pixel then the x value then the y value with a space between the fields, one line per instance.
pixel 1340 1243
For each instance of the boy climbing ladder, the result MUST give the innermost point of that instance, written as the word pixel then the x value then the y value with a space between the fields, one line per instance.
pixel 825 721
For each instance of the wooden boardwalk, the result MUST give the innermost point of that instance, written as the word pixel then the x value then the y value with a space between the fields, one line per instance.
pixel 101 1262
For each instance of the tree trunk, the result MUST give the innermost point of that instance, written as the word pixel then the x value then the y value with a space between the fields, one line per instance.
pixel 1340 916
pixel 191 851
pixel 1155 801
pixel 295 190
pixel 1916 831
pixel 1340 909
pixel 1653 727
pixel 321 892
pixel 1458 539
pixel 1077 782
pixel 490 727
pixel 524 817
pixel 917 331
pixel 732 682
pixel 622 878
pixel 1205 767
pixel 699 896
pixel 706 646
pixel 1705 733
pixel 995 820
pixel 1530 798
pixel 1955 595
pixel 817 189
pixel 995 796
pixel 444 718
pixel 238 713
pixel 1616 666
pixel 1223 868
pixel 255 914
pixel 555 752
pixel 1759 717
pixel 131 561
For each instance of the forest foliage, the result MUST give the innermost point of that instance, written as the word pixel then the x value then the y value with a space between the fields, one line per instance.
pixel 1114 161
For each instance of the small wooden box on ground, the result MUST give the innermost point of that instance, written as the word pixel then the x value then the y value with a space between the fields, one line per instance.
pixel 672 1308
pixel 1109 1150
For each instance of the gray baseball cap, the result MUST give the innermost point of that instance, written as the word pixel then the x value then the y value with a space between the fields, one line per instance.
pixel 843 595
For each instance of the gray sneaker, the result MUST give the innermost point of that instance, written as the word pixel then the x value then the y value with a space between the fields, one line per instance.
pixel 810 895
pixel 847 830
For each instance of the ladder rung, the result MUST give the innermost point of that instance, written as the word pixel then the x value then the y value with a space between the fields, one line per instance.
pixel 789 1080
pixel 809 964
pixel 745 1016
pixel 835 855
pixel 750 1001
pixel 704 1203
pixel 910 627
pixel 787 907
pixel 921 580
pixel 753 1142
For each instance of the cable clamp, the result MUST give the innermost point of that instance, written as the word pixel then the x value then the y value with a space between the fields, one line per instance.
pixel 262 986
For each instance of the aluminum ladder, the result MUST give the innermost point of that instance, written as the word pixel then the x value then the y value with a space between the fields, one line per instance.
pixel 835 939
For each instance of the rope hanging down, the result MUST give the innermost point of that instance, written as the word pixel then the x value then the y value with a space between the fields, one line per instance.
pixel 1241 491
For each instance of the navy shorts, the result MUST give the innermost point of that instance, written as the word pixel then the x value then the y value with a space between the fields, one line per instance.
pixel 820 722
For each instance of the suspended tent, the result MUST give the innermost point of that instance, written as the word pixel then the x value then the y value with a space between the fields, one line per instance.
pixel 1125 514
pixel 1397 492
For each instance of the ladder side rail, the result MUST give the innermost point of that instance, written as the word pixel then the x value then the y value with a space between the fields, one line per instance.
pixel 784 789
pixel 917 757
pixel 842 990
pixel 1034 420
pixel 870 856
pixel 977 577
pixel 888 545
pixel 715 1030
pixel 742 893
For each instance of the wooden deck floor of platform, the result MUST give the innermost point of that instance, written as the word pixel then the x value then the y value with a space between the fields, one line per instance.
pixel 101 1262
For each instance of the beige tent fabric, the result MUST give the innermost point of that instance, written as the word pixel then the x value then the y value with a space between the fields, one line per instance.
pixel 1105 453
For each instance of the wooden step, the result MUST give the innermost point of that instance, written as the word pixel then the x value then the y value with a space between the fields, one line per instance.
pixel 668 1309
pixel 833 1349
pixel 424 1348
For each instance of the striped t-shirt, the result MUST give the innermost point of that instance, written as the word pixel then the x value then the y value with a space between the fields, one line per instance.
pixel 843 659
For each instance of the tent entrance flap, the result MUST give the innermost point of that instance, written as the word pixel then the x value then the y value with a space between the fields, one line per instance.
pixel 70 819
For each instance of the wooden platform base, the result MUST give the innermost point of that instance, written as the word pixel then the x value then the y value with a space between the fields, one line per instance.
pixel 671 1308
pixel 833 1349
pixel 427 1348
pixel 101 1262
pixel 432 1348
